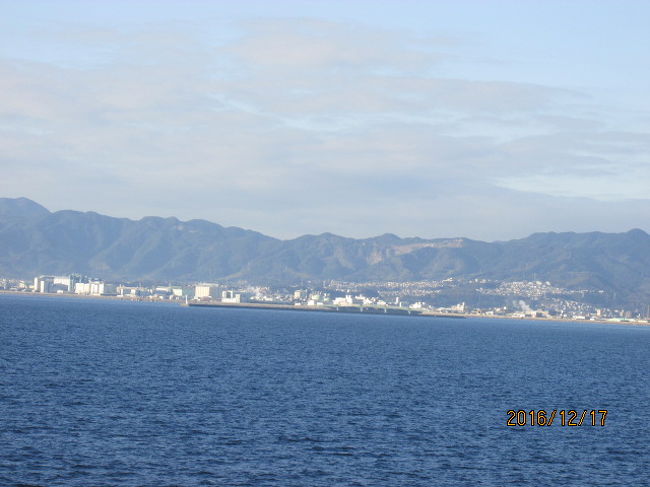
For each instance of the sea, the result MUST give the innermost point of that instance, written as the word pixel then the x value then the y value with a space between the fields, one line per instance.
pixel 107 393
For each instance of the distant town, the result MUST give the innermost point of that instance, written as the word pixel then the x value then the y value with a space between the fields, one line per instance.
pixel 485 298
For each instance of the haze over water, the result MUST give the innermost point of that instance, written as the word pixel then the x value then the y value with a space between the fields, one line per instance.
pixel 129 394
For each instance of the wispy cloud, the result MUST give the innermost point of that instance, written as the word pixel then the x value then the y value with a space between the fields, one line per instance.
pixel 296 126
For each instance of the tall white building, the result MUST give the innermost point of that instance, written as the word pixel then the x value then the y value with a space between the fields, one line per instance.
pixel 205 291
pixel 54 284
pixel 43 284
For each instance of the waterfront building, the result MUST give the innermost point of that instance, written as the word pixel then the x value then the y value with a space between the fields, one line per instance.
pixel 56 284
pixel 230 297
pixel 205 291
pixel 43 284
pixel 94 288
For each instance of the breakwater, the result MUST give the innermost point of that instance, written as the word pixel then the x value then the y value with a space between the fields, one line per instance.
pixel 375 310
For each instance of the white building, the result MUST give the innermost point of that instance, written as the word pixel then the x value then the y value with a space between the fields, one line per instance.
pixel 94 288
pixel 346 301
pixel 55 284
pixel 230 297
pixel 205 291
pixel 62 280
pixel 43 284
pixel 133 292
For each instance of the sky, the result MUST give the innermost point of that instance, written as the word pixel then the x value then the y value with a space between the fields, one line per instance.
pixel 488 119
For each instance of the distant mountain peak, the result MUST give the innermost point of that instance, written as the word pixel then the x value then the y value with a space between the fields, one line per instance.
pixel 16 208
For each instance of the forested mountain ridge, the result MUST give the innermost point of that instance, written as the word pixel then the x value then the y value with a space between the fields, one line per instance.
pixel 35 241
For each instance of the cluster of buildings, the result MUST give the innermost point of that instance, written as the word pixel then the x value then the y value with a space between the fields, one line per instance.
pixel 522 299
pixel 72 284
pixel 208 292
pixel 528 289
pixel 88 286
pixel 489 297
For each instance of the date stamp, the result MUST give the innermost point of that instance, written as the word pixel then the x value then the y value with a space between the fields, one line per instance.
pixel 562 417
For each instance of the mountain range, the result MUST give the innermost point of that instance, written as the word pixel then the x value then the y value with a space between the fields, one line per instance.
pixel 36 241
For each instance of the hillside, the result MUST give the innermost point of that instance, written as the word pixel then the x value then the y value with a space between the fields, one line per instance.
pixel 36 241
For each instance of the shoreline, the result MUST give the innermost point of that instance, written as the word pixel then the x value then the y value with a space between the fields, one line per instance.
pixel 368 310
pixel 423 314
pixel 87 296
pixel 347 310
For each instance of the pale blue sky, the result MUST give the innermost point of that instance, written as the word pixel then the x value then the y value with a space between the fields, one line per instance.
pixel 487 119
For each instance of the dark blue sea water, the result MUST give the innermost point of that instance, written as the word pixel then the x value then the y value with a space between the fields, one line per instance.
pixel 101 393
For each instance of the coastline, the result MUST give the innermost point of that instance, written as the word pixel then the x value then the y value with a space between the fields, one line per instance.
pixel 368 310
pixel 288 307
pixel 323 309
